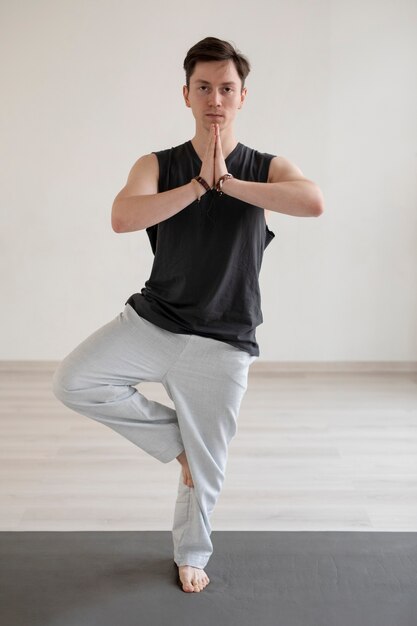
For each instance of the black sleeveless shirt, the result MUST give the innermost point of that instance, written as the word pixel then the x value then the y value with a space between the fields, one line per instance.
pixel 207 257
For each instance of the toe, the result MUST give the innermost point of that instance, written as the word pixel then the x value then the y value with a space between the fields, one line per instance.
pixel 201 585
pixel 185 580
pixel 187 586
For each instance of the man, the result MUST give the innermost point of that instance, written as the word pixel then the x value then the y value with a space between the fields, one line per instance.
pixel 192 327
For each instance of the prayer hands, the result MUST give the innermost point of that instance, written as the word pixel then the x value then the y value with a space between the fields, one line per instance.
pixel 213 164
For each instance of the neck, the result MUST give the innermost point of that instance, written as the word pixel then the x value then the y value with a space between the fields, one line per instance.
pixel 201 137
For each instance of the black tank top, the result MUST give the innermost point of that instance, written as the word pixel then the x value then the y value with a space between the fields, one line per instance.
pixel 207 257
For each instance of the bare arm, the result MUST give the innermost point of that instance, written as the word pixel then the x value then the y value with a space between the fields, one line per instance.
pixel 287 191
pixel 139 205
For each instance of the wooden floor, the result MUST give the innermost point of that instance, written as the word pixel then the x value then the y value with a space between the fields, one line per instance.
pixel 313 451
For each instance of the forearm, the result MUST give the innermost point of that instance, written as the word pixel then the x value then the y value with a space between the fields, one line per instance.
pixel 299 197
pixel 139 212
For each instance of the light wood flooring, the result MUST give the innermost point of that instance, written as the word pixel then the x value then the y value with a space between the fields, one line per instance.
pixel 314 451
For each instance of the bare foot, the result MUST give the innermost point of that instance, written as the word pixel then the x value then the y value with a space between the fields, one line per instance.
pixel 186 474
pixel 193 578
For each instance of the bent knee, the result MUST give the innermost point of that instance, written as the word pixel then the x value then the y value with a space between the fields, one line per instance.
pixel 64 383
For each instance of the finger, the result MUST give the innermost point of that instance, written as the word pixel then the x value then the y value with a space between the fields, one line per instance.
pixel 219 151
pixel 212 138
pixel 214 134
pixel 219 140
pixel 213 142
pixel 218 143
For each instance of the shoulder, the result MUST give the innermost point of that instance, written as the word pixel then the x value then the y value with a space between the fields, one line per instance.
pixel 142 178
pixel 254 153
pixel 282 169
pixel 179 148
pixel 150 163
pixel 253 164
pixel 146 163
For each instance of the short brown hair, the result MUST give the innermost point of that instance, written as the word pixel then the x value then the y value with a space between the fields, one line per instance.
pixel 213 49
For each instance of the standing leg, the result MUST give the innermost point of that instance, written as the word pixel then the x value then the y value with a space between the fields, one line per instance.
pixel 96 379
pixel 207 384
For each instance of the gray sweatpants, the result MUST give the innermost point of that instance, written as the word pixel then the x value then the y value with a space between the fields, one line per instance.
pixel 206 379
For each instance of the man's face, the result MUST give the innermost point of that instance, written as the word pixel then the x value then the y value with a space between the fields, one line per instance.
pixel 215 93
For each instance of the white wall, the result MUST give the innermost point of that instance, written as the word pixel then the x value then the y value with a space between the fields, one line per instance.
pixel 88 87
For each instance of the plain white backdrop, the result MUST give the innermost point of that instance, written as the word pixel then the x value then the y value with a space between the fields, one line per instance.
pixel 88 87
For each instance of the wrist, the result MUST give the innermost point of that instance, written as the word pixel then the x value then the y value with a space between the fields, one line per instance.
pixel 198 188
pixel 223 180
pixel 201 181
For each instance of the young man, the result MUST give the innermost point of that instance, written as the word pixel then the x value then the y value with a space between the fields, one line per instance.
pixel 192 327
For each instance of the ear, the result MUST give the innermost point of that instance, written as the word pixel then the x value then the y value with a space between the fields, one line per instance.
pixel 242 97
pixel 185 94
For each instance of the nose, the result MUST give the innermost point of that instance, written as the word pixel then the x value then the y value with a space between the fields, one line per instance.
pixel 215 98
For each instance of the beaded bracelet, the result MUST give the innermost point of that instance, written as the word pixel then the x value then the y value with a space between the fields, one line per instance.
pixel 202 182
pixel 221 181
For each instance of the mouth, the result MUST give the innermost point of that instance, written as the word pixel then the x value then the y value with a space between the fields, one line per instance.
pixel 213 115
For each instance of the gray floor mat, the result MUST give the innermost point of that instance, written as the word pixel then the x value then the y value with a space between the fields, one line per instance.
pixel 258 578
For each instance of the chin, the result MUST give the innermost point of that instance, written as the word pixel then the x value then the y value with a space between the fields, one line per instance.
pixel 220 122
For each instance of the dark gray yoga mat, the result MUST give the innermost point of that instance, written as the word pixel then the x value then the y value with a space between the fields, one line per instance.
pixel 258 578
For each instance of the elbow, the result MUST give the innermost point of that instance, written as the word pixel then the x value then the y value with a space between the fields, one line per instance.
pixel 319 209
pixel 116 226
pixel 115 221
pixel 319 205
pixel 313 210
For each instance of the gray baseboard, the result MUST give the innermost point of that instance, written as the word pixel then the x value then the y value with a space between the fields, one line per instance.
pixel 354 367
pixel 260 366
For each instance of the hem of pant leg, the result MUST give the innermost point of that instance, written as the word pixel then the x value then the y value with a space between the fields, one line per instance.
pixel 167 456
pixel 192 562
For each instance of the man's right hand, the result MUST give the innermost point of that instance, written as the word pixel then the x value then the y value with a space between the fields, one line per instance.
pixel 207 166
pixel 139 205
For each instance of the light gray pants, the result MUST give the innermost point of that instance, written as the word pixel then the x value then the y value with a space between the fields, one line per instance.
pixel 206 379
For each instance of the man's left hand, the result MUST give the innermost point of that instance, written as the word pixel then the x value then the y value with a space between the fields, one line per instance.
pixel 220 167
